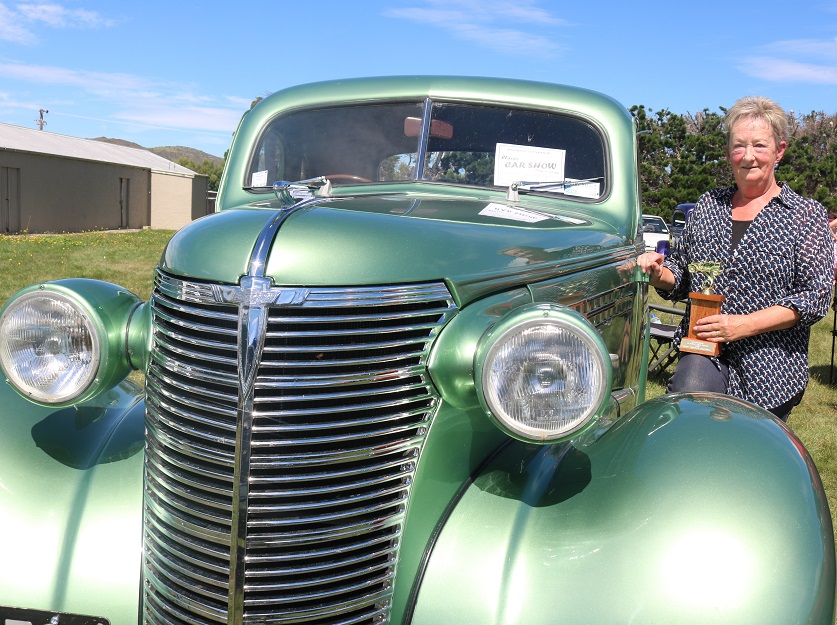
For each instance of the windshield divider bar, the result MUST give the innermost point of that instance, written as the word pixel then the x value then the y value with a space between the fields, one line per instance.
pixel 424 137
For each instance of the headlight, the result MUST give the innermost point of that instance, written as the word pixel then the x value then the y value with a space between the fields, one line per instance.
pixel 49 348
pixel 543 374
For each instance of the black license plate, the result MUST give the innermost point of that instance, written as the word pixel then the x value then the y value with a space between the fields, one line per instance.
pixel 22 616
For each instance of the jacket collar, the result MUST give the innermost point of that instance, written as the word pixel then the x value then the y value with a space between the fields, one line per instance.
pixel 787 197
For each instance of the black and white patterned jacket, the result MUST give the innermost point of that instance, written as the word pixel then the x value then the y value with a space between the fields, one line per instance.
pixel 784 259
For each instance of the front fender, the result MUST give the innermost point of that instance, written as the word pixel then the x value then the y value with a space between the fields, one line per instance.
pixel 71 505
pixel 693 509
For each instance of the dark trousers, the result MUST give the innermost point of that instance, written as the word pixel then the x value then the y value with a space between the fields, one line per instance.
pixel 695 373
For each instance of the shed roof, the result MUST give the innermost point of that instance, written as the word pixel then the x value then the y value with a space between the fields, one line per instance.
pixel 44 142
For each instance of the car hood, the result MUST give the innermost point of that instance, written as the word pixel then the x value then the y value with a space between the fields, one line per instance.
pixel 472 244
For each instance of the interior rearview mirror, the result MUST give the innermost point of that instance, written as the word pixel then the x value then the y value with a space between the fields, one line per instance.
pixel 438 128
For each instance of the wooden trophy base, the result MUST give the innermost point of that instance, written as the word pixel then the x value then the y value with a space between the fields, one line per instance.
pixel 702 305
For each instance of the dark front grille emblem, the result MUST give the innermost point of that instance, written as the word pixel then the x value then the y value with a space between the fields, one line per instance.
pixel 325 448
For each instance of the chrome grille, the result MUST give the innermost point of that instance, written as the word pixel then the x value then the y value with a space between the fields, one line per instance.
pixel 340 407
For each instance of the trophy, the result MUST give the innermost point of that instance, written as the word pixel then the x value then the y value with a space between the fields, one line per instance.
pixel 703 304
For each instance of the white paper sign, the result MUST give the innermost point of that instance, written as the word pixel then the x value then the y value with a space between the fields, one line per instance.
pixel 513 213
pixel 259 179
pixel 524 163
pixel 582 188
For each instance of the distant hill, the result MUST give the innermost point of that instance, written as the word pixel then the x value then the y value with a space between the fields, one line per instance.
pixel 171 152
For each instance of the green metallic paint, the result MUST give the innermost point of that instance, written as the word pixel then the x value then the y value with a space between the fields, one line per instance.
pixel 368 241
pixel 461 438
pixel 390 239
pixel 643 323
pixel 451 363
pixel 139 337
pixel 692 509
pixel 216 247
pixel 71 504
pixel 109 307
pixel 458 444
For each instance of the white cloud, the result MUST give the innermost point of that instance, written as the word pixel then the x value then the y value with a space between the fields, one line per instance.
pixel 782 70
pixel 94 82
pixel 154 103
pixel 59 17
pixel 11 30
pixel 482 11
pixel 11 102
pixel 205 118
pixel 810 48
pixel 239 102
pixel 498 24
pixel 17 25
pixel 800 61
pixel 505 40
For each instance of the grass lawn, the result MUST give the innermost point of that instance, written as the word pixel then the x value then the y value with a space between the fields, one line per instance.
pixel 128 259
pixel 124 258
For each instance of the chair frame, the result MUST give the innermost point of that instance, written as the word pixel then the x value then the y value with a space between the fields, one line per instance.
pixel 662 351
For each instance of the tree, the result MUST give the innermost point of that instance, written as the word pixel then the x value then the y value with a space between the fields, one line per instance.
pixel 206 168
pixel 682 156
pixel 810 165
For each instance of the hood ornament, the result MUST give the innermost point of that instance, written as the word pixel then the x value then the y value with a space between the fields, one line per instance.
pixel 289 193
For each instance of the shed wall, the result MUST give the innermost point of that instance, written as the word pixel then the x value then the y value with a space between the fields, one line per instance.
pixel 171 200
pixel 45 193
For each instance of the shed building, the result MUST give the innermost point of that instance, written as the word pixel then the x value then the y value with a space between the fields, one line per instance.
pixel 55 183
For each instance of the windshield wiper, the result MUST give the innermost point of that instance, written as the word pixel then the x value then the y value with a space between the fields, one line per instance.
pixel 289 193
pixel 558 186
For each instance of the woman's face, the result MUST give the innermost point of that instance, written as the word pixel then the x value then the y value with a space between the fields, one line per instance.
pixel 752 151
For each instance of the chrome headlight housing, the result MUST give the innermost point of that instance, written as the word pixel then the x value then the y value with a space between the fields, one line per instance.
pixel 543 374
pixel 49 347
pixel 65 341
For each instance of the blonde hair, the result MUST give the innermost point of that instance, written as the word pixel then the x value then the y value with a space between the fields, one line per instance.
pixel 760 108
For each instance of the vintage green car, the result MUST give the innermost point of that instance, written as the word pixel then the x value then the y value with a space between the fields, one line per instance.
pixel 398 377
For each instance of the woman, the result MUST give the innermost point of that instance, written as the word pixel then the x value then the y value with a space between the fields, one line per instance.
pixel 775 250
pixel 832 224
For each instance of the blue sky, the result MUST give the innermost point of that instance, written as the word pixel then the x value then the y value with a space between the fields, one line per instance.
pixel 182 73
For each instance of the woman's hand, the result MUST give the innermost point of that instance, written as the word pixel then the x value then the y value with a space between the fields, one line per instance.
pixel 723 328
pixel 651 263
pixel 728 328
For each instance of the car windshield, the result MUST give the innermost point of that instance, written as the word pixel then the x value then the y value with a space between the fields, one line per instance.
pixel 654 224
pixel 485 146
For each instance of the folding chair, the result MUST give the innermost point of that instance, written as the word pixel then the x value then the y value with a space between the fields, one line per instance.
pixel 661 348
